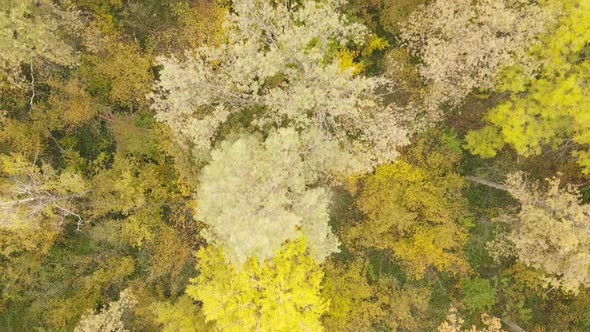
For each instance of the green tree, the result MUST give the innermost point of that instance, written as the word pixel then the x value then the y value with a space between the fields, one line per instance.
pixel 479 293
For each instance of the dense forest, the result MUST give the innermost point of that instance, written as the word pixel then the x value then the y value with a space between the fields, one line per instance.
pixel 295 165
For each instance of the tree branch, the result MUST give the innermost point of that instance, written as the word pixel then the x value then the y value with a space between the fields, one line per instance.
pixel 539 203
pixel 31 101
pixel 487 183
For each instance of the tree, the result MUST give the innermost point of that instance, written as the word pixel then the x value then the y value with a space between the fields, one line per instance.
pixel 551 232
pixel 361 303
pixel 479 293
pixel 548 108
pixel 25 138
pixel 135 190
pixel 31 195
pixel 413 208
pixel 109 319
pixel 283 294
pixel 116 67
pixel 181 24
pixel 386 14
pixel 88 289
pixel 32 31
pixel 463 44
pixel 181 316
pixel 350 296
pixel 69 105
pixel 455 324
pixel 170 255
pixel 279 66
pixel 256 195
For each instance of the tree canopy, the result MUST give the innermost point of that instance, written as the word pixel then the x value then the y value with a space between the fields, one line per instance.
pixel 294 165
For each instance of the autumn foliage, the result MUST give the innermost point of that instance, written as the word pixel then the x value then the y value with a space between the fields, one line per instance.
pixel 301 165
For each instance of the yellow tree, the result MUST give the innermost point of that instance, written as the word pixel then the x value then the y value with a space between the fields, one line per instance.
pixel 360 304
pixel 551 107
pixel 280 294
pixel 32 31
pixel 413 208
pixel 116 67
pixel 184 315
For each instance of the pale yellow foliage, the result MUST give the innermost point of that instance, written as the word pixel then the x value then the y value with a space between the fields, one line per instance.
pixel 552 232
pixel 108 319
pixel 455 324
pixel 463 43
pixel 32 195
pixel 256 195
pixel 277 57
